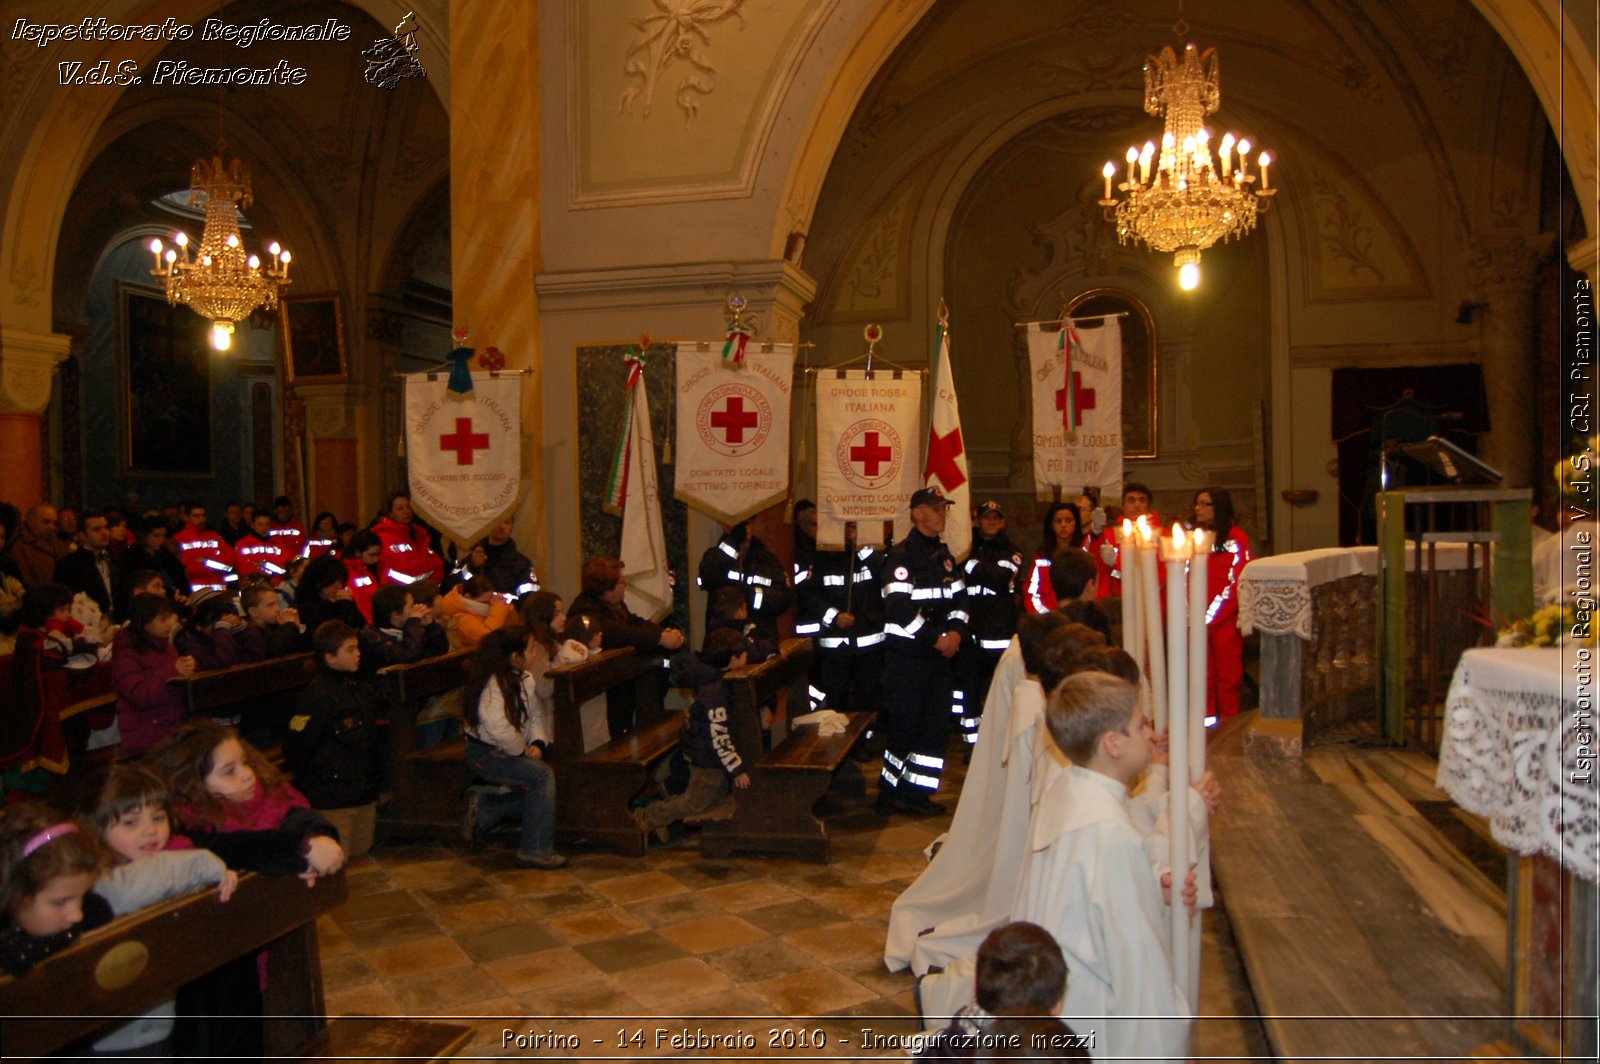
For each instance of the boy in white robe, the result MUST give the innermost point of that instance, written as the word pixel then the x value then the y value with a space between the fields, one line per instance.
pixel 1089 882
pixel 969 888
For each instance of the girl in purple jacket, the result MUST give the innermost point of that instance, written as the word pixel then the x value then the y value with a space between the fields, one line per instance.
pixel 143 659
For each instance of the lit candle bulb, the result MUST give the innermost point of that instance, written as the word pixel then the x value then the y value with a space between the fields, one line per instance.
pixel 233 240
pixel 283 257
pixel 1265 160
pixel 1144 162
pixel 1106 171
pixel 1227 154
pixel 182 240
pixel 254 261
pixel 155 249
pixel 273 249
pixel 171 256
pixel 1244 158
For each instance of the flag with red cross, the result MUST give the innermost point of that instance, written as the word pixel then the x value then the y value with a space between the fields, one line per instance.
pixel 464 452
pixel 1076 373
pixel 868 435
pixel 731 444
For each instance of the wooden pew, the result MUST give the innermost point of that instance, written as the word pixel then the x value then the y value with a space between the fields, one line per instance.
pixel 593 786
pixel 214 692
pixel 425 785
pixel 775 814
pixel 134 963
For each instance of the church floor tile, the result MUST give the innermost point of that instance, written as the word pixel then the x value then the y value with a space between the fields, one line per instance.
pixel 510 940
pixel 629 951
pixel 519 975
pixel 659 986
pixel 675 909
pixel 791 916
pixel 717 933
pixel 811 991
pixel 595 924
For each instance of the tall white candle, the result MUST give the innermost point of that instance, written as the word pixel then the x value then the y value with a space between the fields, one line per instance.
pixel 1150 596
pixel 1176 554
pixel 1133 610
pixel 1199 600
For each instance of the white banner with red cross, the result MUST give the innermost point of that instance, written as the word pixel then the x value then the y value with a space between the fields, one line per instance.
pixel 733 428
pixel 464 452
pixel 869 439
pixel 1076 376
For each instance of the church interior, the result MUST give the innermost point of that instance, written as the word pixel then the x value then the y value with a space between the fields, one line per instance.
pixel 577 173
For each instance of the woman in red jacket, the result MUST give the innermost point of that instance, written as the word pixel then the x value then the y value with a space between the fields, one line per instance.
pixel 408 554
pixel 1063 529
pixel 143 659
pixel 1230 553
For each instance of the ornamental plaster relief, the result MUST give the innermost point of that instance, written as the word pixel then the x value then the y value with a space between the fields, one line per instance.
pixel 673 100
pixel 27 367
pixel 1354 248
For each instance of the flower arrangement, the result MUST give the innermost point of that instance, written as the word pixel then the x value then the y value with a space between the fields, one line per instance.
pixel 1552 626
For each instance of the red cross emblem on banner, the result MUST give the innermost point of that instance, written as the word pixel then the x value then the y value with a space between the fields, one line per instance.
pixel 942 454
pixel 464 441
pixel 1083 399
pixel 871 454
pixel 733 419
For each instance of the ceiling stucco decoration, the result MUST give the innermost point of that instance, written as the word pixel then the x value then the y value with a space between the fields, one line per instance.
pixel 676 40
pixel 873 281
pixel 725 65
pixel 1354 248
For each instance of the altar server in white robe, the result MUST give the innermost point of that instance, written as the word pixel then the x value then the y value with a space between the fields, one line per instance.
pixel 984 851
pixel 1089 882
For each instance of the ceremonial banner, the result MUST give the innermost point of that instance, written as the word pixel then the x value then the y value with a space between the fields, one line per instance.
pixel 733 428
pixel 633 492
pixel 1076 375
pixel 946 467
pixel 865 429
pixel 464 452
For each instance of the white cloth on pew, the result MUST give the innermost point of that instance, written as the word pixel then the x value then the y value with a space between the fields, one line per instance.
pixel 956 883
pixel 828 722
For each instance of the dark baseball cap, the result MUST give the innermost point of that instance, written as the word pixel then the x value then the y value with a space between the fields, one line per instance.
pixel 929 497
pixel 990 507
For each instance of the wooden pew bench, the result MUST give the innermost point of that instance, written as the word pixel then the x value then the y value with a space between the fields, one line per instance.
pixel 425 785
pixel 129 966
pixel 225 692
pixel 593 787
pixel 775 815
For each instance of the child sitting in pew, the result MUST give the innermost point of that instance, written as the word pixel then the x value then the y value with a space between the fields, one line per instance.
pixel 270 630
pixel 207 635
pixel 150 865
pixel 397 635
pixel 706 742
pixel 47 870
pixel 425 593
pixel 334 744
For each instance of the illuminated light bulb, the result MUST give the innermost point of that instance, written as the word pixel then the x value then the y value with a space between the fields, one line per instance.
pixel 273 249
pixel 155 246
pixel 1167 141
pixel 1188 145
pixel 1133 155
pixel 205 260
pixel 222 335
pixel 182 240
pixel 233 241
pixel 1107 171
pixel 1204 136
pixel 1265 160
pixel 254 261
pixel 284 257
pixel 171 256
pixel 1189 276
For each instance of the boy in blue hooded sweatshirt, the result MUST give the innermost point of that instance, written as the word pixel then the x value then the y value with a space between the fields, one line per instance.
pixel 706 741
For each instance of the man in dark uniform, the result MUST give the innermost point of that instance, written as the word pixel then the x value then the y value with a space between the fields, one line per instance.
pixel 994 581
pixel 743 560
pixel 925 619
pixel 839 603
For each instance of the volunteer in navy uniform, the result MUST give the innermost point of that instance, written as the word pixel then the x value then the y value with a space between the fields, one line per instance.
pixel 925 619
pixel 839 603
pixel 741 559
pixel 994 584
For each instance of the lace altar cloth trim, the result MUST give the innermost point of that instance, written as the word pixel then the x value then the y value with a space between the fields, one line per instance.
pixel 1275 607
pixel 1517 752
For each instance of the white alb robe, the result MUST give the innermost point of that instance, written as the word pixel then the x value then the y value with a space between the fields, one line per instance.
pixel 957 883
pixel 1088 882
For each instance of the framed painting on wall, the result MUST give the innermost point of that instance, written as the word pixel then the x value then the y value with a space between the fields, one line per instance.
pixel 313 340
pixel 166 385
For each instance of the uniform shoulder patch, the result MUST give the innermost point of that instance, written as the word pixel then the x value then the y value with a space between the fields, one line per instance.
pixel 299 722
pixel 901 572
pixel 949 565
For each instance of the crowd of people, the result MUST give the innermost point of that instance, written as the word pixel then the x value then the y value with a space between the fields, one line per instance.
pixel 132 600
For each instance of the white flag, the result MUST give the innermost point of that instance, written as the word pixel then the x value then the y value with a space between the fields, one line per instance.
pixel 946 467
pixel 1077 406
pixel 636 492
pixel 464 452
pixel 733 429
pixel 867 433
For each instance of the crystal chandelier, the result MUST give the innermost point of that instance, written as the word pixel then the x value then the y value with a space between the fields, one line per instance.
pixel 1189 200
pixel 221 281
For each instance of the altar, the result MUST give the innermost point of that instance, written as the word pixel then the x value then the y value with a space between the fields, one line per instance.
pixel 1518 750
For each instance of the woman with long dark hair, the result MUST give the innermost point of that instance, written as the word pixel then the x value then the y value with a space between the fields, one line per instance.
pixel 1063 530
pixel 1230 553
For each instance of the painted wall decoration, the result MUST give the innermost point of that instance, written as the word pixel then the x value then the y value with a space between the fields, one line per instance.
pixel 313 340
pixel 166 386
